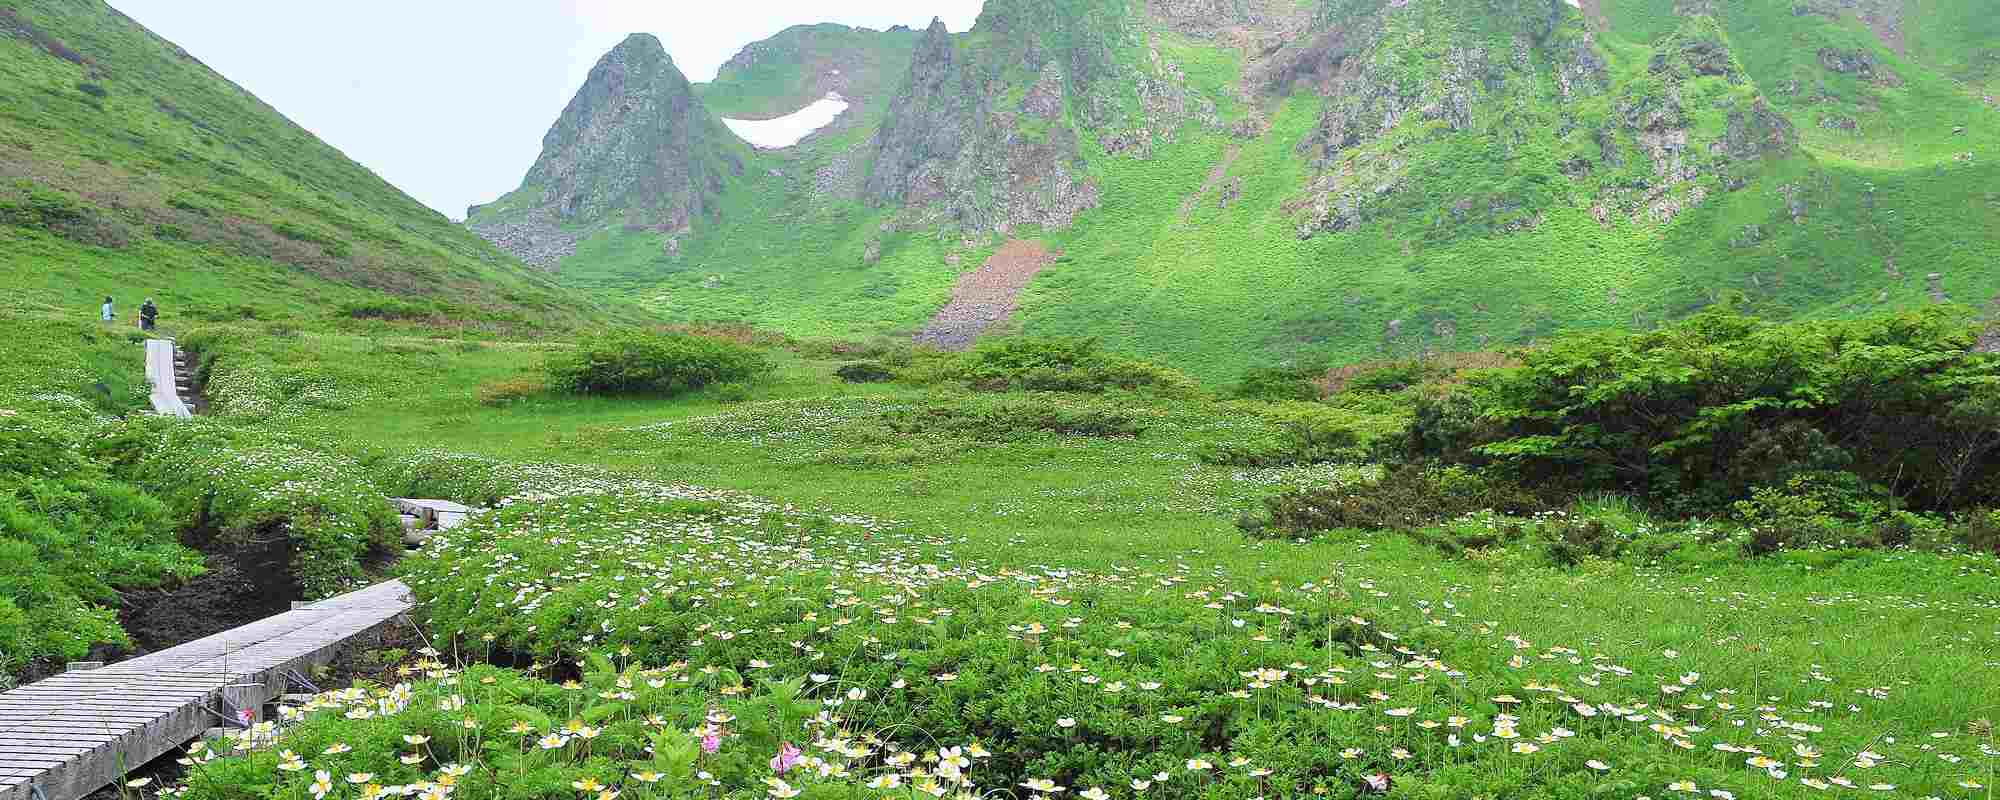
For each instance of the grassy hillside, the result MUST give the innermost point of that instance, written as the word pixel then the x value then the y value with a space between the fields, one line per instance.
pixel 127 168
pixel 786 72
pixel 1431 178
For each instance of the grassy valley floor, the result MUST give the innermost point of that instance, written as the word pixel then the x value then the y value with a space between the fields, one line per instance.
pixel 1078 609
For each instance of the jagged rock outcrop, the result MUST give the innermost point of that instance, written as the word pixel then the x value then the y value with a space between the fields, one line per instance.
pixel 951 152
pixel 1357 61
pixel 635 146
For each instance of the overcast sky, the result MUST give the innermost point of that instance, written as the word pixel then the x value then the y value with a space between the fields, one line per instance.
pixel 448 99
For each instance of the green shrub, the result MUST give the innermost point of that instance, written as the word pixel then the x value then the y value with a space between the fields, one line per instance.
pixel 1057 364
pixel 241 490
pixel 1814 509
pixel 504 391
pixel 1295 433
pixel 1278 383
pixel 390 308
pixel 1697 415
pixel 71 538
pixel 1979 531
pixel 1404 498
pixel 864 372
pixel 1012 418
pixel 641 362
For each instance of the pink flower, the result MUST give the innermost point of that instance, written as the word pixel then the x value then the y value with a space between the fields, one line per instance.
pixel 1378 782
pixel 711 742
pixel 787 757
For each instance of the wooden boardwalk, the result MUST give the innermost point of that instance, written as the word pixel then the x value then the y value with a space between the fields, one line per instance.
pixel 160 372
pixel 73 733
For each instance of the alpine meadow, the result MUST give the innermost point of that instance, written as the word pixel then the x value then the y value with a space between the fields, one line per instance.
pixel 1215 399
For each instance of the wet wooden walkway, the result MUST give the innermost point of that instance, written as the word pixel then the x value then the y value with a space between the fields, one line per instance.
pixel 69 735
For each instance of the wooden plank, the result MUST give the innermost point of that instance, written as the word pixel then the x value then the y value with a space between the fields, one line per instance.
pixel 71 733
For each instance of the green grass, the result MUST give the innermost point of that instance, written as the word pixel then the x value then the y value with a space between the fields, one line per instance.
pixel 133 170
pixel 820 517
pixel 813 501
pixel 785 70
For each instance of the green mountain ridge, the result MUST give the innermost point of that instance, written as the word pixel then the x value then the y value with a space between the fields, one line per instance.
pixel 1236 182
pixel 128 168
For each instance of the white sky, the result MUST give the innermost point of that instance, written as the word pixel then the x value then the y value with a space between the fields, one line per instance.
pixel 448 99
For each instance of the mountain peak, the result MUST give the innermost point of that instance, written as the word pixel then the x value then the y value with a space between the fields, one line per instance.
pixel 634 143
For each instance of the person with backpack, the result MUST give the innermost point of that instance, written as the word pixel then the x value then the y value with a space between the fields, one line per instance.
pixel 106 314
pixel 148 315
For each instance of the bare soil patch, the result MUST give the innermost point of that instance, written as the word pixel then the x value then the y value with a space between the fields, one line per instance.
pixel 986 296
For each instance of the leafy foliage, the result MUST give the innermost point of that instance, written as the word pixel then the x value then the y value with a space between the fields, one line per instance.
pixel 71 538
pixel 311 516
pixel 1701 413
pixel 1403 498
pixel 1060 364
pixel 635 361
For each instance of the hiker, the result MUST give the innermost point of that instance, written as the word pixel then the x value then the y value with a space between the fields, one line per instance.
pixel 148 314
pixel 107 315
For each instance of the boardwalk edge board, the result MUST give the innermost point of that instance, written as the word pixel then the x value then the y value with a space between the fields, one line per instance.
pixel 73 733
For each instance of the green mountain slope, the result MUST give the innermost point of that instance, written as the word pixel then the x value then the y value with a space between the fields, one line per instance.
pixel 127 168
pixel 803 63
pixel 635 148
pixel 1234 182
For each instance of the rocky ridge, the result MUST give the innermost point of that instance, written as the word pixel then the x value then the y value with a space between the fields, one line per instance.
pixel 634 146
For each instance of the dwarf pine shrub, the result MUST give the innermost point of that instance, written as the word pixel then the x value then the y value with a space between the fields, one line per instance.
pixel 630 361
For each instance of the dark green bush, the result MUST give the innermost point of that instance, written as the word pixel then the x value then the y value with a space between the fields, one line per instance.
pixel 71 538
pixel 1813 509
pixel 1060 364
pixel 643 362
pixel 1278 383
pixel 1014 418
pixel 1405 498
pixel 1979 531
pixel 865 372
pixel 1574 540
pixel 1699 414
pixel 390 308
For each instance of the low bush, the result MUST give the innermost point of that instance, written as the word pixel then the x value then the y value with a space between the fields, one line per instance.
pixel 503 391
pixel 1012 418
pixel 631 361
pixel 71 538
pixel 865 372
pixel 1296 433
pixel 1404 498
pixel 1278 384
pixel 1812 510
pixel 391 308
pixel 1699 414
pixel 312 515
pixel 1054 364
pixel 1979 531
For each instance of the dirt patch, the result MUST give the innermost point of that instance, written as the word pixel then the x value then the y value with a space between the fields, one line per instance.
pixel 1215 177
pixel 224 597
pixel 986 296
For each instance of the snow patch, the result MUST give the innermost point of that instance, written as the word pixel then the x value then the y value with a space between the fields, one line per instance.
pixel 785 131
